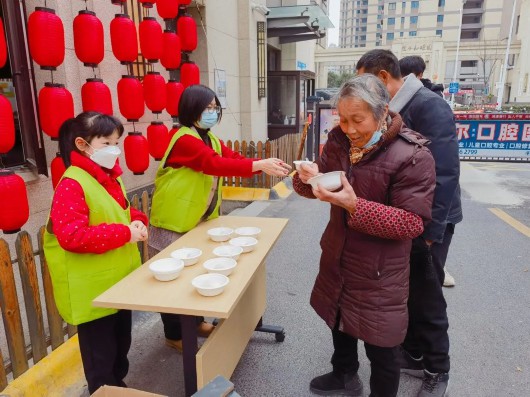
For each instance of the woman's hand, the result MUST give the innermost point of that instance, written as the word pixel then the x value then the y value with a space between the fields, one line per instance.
pixel 345 198
pixel 307 171
pixel 272 166
pixel 138 232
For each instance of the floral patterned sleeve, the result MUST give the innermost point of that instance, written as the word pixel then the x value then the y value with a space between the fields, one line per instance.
pixel 303 189
pixel 384 221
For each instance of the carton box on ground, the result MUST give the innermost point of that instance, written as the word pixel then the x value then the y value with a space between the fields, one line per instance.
pixel 113 391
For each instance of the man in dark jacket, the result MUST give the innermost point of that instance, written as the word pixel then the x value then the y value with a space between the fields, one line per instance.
pixel 426 347
pixel 415 64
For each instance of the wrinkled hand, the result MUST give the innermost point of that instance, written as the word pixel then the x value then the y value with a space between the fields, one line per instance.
pixel 138 232
pixel 307 171
pixel 345 198
pixel 272 166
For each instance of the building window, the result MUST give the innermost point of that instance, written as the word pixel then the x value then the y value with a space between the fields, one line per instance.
pixel 391 6
pixel 402 20
pixel 441 3
pixel 414 20
pixel 439 32
pixel 391 21
pixel 262 56
pixel 390 36
pixel 413 33
pixel 469 64
pixel 440 18
pixel 400 34
pixel 414 4
pixel 403 5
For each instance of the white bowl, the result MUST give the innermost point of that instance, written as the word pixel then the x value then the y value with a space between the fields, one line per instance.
pixel 228 251
pixel 247 243
pixel 210 284
pixel 166 269
pixel 248 231
pixel 220 233
pixel 190 256
pixel 298 163
pixel 223 266
pixel 329 181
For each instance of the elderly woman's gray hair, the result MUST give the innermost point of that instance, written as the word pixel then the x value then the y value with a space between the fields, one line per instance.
pixel 369 89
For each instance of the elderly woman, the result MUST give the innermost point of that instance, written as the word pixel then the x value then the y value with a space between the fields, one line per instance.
pixel 361 289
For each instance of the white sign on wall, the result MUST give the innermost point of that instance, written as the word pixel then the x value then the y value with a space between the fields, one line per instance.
pixel 220 86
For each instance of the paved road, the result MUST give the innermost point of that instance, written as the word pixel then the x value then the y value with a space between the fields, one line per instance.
pixel 489 309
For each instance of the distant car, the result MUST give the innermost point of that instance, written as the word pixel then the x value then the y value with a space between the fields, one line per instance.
pixel 326 93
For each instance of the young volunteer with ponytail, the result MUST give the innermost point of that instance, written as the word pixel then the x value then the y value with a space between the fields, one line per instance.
pixel 90 243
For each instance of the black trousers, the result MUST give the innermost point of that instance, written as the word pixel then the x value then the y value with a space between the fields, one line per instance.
pixel 428 324
pixel 385 371
pixel 172 329
pixel 104 344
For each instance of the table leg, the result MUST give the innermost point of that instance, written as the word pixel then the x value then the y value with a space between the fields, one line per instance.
pixel 189 351
pixel 278 332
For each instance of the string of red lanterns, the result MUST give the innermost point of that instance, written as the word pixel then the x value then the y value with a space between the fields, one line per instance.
pixel 56 105
pixel 46 38
pixel 136 152
pixel 151 43
pixel 88 38
pixel 14 205
pixel 158 139
pixel 96 97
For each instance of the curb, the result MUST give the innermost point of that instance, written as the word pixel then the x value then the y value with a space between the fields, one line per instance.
pixel 58 374
pixel 282 189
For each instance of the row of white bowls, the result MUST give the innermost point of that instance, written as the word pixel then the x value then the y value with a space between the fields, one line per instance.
pixel 218 268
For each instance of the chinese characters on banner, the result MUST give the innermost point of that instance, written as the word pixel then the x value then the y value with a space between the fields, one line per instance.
pixel 494 135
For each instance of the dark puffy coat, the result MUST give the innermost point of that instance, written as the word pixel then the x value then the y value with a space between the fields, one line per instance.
pixel 436 88
pixel 364 276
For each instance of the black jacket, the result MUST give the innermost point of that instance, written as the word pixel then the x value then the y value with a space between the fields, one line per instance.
pixel 432 117
pixel 436 88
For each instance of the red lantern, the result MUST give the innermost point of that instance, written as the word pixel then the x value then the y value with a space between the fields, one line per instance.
pixel 151 43
pixel 158 139
pixel 95 96
pixel 170 58
pixel 187 31
pixel 167 9
pixel 46 38
pixel 173 131
pixel 57 166
pixel 147 3
pixel 136 152
pixel 88 38
pixel 131 98
pixel 123 39
pixel 189 74
pixel 3 45
pixel 14 209
pixel 7 125
pixel 174 90
pixel 155 92
pixel 56 105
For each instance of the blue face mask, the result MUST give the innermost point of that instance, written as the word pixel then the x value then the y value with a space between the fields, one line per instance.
pixel 208 120
pixel 375 138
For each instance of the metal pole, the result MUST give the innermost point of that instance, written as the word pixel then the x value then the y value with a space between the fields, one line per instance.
pixel 457 50
pixel 504 70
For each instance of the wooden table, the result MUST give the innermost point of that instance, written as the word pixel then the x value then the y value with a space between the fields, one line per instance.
pixel 239 308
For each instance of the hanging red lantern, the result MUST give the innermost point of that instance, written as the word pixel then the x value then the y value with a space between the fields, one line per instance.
pixel 88 38
pixel 189 74
pixel 46 38
pixel 14 208
pixel 95 96
pixel 158 139
pixel 151 43
pixel 187 31
pixel 167 9
pixel 174 90
pixel 3 45
pixel 170 58
pixel 155 92
pixel 173 131
pixel 58 168
pixel 147 3
pixel 56 105
pixel 131 98
pixel 7 125
pixel 136 152
pixel 123 39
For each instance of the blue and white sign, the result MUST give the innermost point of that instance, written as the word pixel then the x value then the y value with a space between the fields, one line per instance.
pixel 300 65
pixel 453 87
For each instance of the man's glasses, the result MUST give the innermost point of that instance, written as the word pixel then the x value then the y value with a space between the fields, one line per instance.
pixel 213 109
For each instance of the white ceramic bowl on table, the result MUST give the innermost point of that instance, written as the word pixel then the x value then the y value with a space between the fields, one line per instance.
pixel 298 163
pixel 166 269
pixel 329 181
pixel 247 243
pixel 189 256
pixel 223 266
pixel 228 251
pixel 210 284
pixel 248 231
pixel 220 233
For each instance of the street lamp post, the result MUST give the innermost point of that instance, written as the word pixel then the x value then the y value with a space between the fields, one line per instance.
pixel 457 51
pixel 504 70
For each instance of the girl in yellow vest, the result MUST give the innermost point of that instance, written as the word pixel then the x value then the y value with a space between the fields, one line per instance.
pixel 188 182
pixel 90 244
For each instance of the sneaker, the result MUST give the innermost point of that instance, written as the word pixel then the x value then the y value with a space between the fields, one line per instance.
pixel 175 344
pixel 336 384
pixel 434 385
pixel 449 281
pixel 410 365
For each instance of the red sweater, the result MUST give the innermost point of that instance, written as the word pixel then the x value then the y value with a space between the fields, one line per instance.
pixel 193 153
pixel 69 213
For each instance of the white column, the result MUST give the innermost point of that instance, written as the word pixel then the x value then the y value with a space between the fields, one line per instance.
pixel 504 71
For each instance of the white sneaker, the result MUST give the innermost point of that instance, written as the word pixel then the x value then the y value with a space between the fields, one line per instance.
pixel 449 281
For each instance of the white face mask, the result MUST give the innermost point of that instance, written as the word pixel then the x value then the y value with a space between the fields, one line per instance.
pixel 106 156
